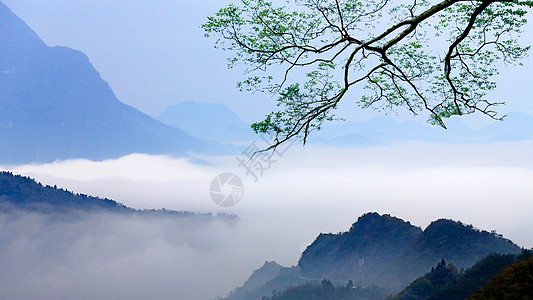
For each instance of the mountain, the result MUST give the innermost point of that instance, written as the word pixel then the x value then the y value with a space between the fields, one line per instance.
pixel 461 244
pixel 349 140
pixel 259 277
pixel 497 276
pixel 23 193
pixel 365 253
pixel 257 283
pixel 384 251
pixel 19 193
pixel 208 120
pixel 515 126
pixel 385 130
pixel 445 282
pixel 389 252
pixel 424 286
pixel 514 283
pixel 54 105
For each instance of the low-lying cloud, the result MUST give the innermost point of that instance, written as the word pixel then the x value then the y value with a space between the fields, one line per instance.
pixel 103 256
pixel 306 191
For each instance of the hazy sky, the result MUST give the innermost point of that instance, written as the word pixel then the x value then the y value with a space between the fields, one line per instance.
pixel 153 53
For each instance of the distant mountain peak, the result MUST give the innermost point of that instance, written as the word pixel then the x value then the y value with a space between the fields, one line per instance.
pixel 375 223
pixel 443 222
pixel 207 120
pixel 15 34
pixel 55 105
pixel 371 217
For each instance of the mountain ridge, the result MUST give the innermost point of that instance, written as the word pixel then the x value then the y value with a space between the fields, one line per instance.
pixel 55 105
pixel 384 251
pixel 23 194
pixel 209 120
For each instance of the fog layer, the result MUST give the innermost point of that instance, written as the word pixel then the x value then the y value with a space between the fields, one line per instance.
pixel 305 192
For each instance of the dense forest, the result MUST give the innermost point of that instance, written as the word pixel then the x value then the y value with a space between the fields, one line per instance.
pixel 446 282
pixel 514 282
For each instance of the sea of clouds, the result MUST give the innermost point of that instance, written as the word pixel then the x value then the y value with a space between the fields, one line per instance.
pixel 306 191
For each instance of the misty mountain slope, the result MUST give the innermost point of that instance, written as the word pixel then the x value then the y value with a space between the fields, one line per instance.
pixel 265 280
pixel 457 243
pixel 54 105
pixel 19 193
pixel 514 282
pixel 267 272
pixel 260 282
pixel 60 245
pixel 208 120
pixel 385 251
pixel 363 253
pixel 445 282
pixel 23 193
pixel 384 129
pixel 15 34
pixel 389 252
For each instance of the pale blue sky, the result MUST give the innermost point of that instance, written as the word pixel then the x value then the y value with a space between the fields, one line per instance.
pixel 153 53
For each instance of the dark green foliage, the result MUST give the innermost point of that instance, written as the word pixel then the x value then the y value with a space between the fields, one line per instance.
pixel 454 241
pixel 474 277
pixel 445 283
pixel 514 282
pixel 363 253
pixel 390 252
pixel 265 280
pixel 18 193
pixel 310 54
pixel 257 282
pixel 426 285
pixel 326 291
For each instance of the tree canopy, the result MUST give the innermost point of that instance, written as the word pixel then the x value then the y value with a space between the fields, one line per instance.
pixel 433 57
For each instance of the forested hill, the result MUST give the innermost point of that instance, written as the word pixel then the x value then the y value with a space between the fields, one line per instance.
pixel 365 252
pixel 514 282
pixel 384 251
pixel 446 282
pixel 387 251
pixel 23 193
pixel 497 276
